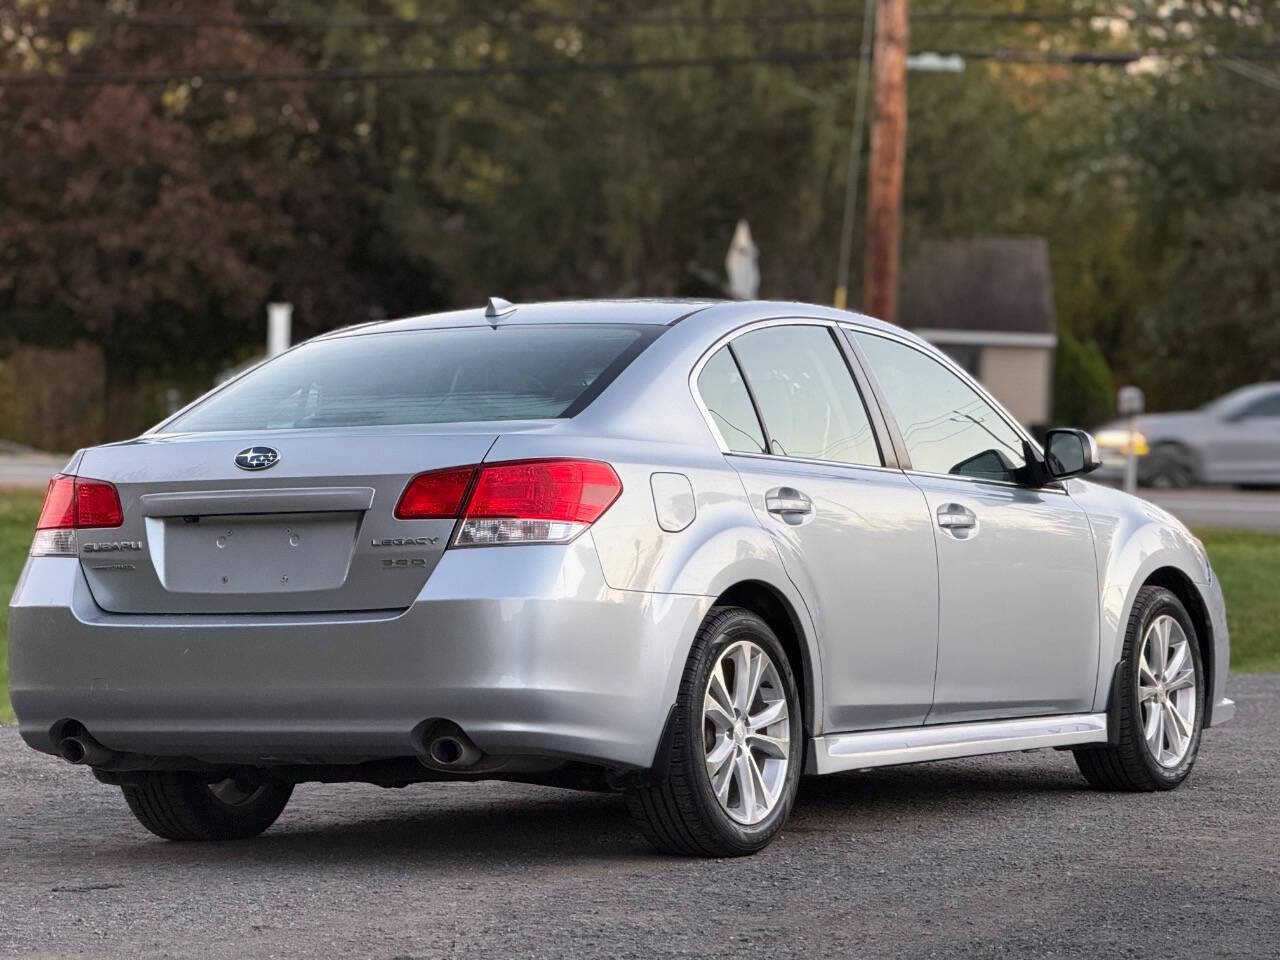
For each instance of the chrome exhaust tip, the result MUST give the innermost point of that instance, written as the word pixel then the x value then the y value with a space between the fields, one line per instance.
pixel 452 751
pixel 76 746
pixel 72 750
pixel 443 746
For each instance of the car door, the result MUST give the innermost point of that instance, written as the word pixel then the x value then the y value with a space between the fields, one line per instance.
pixel 853 532
pixel 1018 585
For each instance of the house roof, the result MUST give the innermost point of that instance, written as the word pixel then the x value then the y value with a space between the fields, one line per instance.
pixel 998 284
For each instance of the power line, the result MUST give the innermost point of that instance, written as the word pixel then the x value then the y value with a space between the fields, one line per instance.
pixel 1268 78
pixel 780 58
pixel 529 20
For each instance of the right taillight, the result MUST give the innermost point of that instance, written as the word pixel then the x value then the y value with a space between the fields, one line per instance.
pixel 525 501
pixel 71 504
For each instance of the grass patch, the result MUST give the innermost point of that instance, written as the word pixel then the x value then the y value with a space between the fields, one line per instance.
pixel 1247 564
pixel 18 512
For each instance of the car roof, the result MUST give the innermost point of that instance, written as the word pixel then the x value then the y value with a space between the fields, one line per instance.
pixel 644 312
pixel 711 314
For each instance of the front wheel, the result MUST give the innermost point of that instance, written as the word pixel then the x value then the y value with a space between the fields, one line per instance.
pixel 185 806
pixel 1169 466
pixel 1160 712
pixel 727 778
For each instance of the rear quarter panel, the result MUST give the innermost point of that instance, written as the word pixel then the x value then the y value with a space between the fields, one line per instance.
pixel 723 545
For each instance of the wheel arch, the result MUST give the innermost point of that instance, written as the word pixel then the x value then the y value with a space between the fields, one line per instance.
pixel 772 606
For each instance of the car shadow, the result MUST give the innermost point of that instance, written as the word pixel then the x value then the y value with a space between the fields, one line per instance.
pixel 464 826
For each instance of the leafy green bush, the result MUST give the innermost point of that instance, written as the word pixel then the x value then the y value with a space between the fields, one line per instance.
pixel 1082 387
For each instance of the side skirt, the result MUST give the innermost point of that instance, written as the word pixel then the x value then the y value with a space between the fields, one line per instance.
pixel 834 752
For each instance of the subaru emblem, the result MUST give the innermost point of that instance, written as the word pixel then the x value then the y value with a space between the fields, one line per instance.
pixel 257 458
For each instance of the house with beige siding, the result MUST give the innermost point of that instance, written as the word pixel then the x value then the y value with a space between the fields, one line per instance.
pixel 988 303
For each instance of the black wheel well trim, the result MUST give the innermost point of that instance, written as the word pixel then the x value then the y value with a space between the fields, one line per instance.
pixel 1113 706
pixel 768 603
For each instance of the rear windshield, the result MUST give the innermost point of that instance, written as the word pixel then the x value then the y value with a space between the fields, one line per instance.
pixel 425 376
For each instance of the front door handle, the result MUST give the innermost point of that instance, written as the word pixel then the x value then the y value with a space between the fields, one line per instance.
pixel 957 520
pixel 788 503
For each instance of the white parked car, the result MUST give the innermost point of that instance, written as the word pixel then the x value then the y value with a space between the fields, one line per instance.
pixel 1235 439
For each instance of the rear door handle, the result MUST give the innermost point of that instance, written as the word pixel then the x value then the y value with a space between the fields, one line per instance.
pixel 788 503
pixel 957 520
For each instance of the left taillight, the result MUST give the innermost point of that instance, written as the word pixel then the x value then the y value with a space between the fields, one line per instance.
pixel 71 504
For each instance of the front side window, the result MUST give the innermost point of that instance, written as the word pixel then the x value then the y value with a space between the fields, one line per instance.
pixel 726 399
pixel 1268 406
pixel 806 394
pixel 947 426
pixel 424 376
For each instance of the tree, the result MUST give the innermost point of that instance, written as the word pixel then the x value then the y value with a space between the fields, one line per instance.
pixel 1082 387
pixel 155 222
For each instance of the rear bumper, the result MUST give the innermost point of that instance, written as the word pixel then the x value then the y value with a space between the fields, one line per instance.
pixel 526 648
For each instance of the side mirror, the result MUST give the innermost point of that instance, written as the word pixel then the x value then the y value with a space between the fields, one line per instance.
pixel 1070 453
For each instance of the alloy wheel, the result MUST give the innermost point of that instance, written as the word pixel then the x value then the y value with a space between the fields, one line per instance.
pixel 746 732
pixel 1167 691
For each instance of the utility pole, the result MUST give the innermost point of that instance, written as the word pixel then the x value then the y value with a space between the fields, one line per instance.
pixel 888 153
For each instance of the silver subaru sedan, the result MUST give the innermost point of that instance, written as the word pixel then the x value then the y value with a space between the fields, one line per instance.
pixel 686 551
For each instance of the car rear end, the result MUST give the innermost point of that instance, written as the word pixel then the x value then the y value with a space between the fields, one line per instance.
pixel 322 563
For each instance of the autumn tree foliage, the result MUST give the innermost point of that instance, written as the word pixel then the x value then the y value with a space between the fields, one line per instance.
pixel 154 221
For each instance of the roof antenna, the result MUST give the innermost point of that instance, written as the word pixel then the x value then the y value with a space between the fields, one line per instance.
pixel 496 308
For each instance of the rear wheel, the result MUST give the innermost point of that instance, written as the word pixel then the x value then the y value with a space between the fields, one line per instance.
pixel 731 764
pixel 1160 713
pixel 183 806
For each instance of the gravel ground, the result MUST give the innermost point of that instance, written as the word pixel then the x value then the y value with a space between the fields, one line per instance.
pixel 996 857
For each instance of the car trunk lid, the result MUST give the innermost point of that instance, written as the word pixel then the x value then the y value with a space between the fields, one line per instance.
pixel 313 531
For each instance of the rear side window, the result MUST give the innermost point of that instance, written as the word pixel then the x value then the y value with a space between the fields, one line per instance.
pixel 807 397
pixel 726 399
pixel 425 376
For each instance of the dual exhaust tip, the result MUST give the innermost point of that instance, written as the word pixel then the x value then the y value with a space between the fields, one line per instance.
pixel 442 745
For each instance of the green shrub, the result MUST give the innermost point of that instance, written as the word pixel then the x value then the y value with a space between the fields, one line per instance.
pixel 1083 394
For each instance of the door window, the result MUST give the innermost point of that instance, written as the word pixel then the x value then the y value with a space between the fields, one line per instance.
pixel 1268 406
pixel 806 394
pixel 947 426
pixel 726 399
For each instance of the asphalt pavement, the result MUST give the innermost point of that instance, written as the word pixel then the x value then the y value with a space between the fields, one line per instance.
pixel 1221 507
pixel 1009 857
pixel 28 469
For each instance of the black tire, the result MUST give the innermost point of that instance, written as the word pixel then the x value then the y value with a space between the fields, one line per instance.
pixel 1170 466
pixel 183 806
pixel 676 808
pixel 1129 765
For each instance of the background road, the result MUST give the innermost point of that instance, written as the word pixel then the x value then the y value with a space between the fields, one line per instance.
pixel 27 469
pixel 1218 507
pixel 997 857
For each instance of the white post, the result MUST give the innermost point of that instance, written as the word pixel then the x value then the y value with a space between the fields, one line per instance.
pixel 1131 462
pixel 279 327
pixel 1130 402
